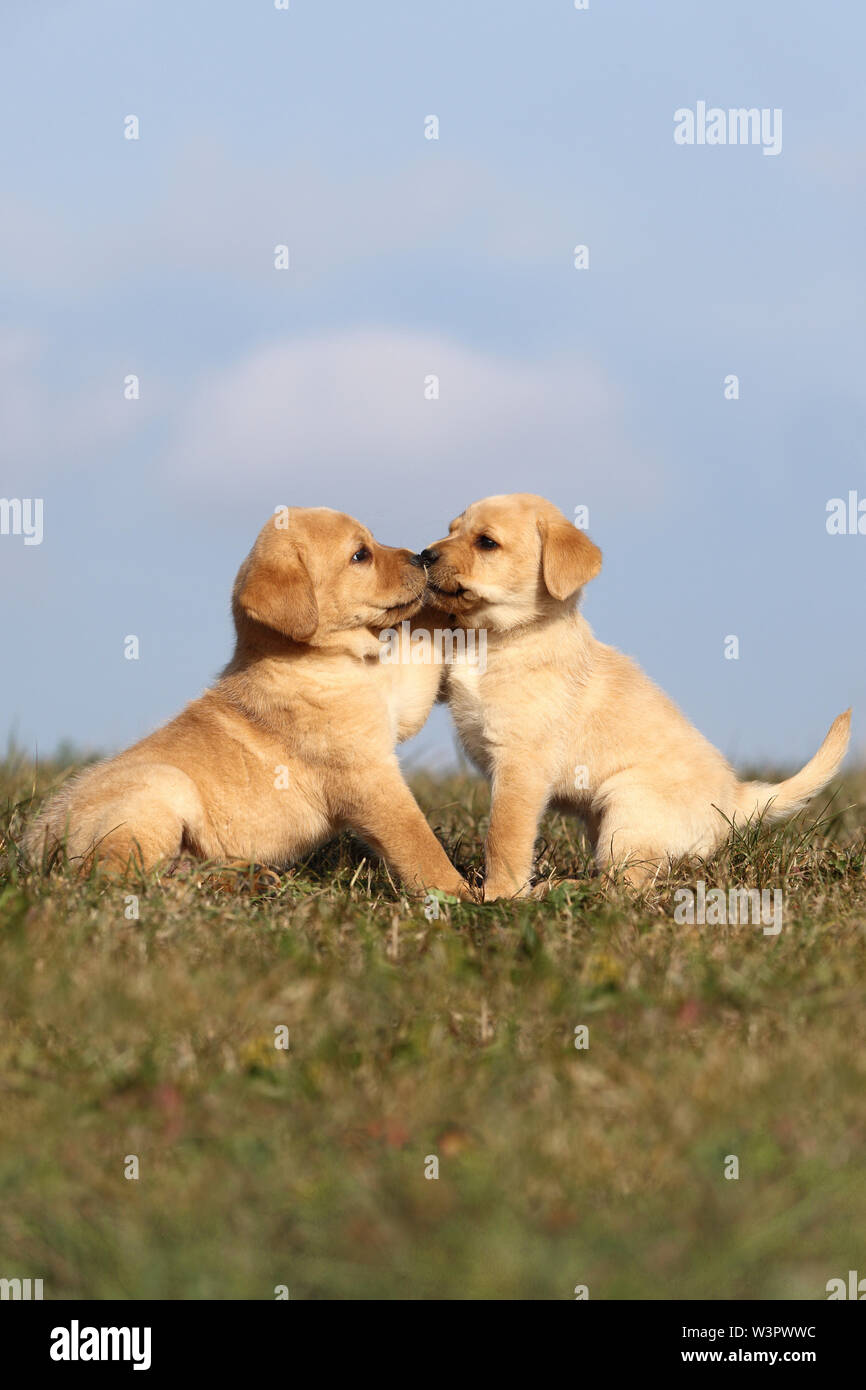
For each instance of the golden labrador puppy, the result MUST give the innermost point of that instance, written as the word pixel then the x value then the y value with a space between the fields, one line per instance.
pixel 296 739
pixel 557 718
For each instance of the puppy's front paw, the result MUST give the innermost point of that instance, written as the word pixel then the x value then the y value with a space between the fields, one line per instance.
pixel 495 892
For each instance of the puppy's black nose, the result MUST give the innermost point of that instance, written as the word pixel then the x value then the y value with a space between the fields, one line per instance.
pixel 417 561
pixel 427 557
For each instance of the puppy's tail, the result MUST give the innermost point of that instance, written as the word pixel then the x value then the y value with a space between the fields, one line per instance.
pixel 775 802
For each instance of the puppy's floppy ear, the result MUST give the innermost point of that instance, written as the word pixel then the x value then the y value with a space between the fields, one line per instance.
pixel 280 596
pixel 568 557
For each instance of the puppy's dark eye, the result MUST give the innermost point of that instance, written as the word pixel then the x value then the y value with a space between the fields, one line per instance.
pixel 487 543
pixel 360 556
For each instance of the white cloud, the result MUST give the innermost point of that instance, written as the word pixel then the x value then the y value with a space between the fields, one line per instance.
pixel 297 418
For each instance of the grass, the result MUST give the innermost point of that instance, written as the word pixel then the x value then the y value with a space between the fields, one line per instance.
pixel 454 1038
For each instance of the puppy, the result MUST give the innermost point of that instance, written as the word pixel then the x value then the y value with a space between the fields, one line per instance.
pixel 296 739
pixel 557 718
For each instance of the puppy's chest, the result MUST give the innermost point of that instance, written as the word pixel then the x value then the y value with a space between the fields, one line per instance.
pixel 408 691
pixel 472 709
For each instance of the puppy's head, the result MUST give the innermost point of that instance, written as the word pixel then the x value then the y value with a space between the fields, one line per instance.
pixel 315 575
pixel 508 561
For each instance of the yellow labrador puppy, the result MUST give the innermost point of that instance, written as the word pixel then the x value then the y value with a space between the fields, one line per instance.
pixel 296 739
pixel 558 718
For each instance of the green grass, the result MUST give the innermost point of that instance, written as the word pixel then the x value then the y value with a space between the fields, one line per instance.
pixel 408 1038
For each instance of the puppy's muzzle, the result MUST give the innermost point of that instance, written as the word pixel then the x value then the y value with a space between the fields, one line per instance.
pixel 426 557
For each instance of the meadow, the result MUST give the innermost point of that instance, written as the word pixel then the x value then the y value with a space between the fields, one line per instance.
pixel 411 1039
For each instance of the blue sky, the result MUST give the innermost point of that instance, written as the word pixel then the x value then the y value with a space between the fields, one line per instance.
pixel 601 387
